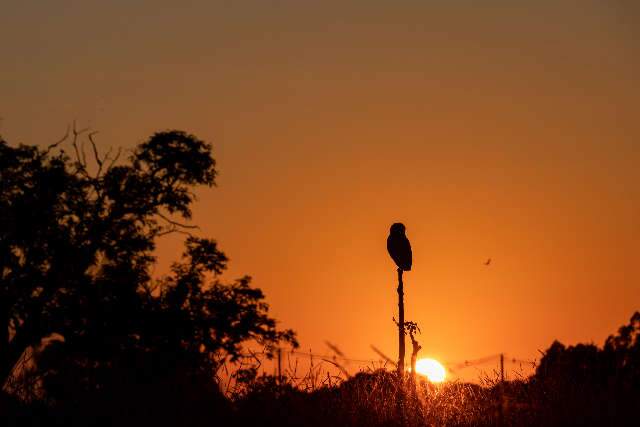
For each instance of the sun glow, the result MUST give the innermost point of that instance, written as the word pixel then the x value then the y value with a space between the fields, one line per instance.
pixel 432 369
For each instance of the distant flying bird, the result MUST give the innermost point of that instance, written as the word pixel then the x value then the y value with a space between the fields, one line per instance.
pixel 399 247
pixel 488 262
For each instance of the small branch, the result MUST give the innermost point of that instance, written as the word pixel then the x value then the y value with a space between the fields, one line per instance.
pixel 95 151
pixel 84 154
pixel 173 229
pixel 58 142
pixel 80 159
pixel 115 158
pixel 77 151
pixel 77 132
pixel 414 355
pixel 177 224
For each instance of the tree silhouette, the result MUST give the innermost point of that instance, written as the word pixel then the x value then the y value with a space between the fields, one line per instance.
pixel 618 359
pixel 76 248
pixel 608 378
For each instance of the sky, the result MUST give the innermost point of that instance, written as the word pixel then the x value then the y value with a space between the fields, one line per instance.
pixel 495 129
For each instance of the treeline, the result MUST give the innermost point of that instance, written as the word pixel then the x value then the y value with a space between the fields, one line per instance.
pixel 581 385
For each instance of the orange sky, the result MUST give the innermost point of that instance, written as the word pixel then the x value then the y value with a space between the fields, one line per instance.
pixel 508 130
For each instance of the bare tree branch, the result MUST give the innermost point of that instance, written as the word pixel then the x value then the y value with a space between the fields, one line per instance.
pixel 176 223
pixel 96 156
pixel 115 158
pixel 58 142
pixel 172 230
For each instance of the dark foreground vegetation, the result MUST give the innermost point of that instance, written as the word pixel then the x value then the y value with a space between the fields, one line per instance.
pixel 89 337
pixel 580 385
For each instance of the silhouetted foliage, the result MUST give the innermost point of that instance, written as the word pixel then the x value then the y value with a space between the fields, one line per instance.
pixel 76 251
pixel 591 385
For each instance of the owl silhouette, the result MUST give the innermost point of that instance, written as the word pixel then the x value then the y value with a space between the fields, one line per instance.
pixel 399 247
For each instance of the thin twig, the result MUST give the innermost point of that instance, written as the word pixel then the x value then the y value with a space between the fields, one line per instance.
pixel 60 141
pixel 176 223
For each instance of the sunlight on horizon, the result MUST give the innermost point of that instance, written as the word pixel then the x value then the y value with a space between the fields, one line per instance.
pixel 432 369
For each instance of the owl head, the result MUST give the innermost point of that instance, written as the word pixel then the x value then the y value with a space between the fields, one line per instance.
pixel 397 228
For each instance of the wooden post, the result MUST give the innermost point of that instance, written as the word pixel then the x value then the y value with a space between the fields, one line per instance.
pixel 400 326
pixel 400 396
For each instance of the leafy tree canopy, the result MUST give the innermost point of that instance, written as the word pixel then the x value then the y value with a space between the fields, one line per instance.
pixel 77 235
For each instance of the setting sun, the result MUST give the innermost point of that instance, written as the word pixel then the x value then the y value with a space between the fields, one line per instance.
pixel 432 369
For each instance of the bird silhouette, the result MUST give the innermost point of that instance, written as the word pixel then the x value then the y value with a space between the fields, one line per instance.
pixel 488 262
pixel 399 247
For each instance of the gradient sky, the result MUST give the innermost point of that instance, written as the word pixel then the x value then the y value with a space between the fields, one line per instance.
pixel 495 129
